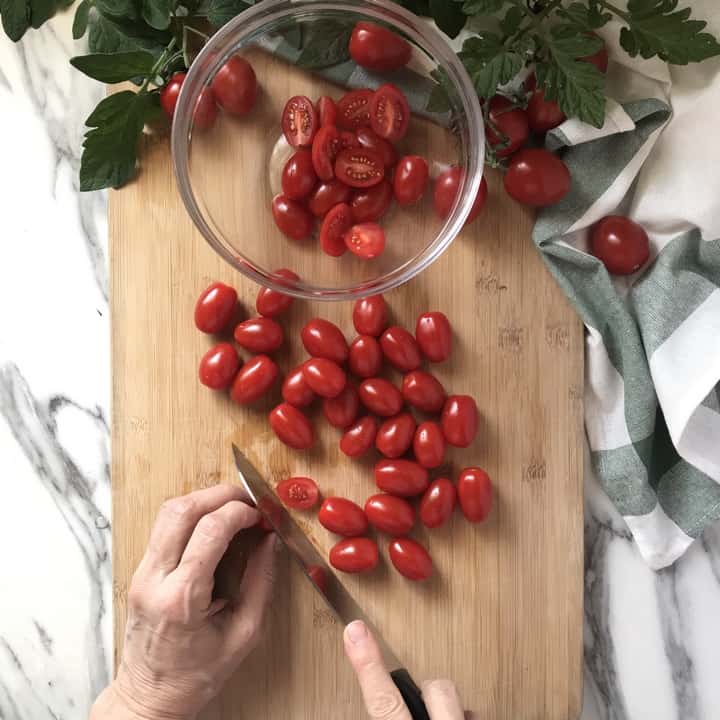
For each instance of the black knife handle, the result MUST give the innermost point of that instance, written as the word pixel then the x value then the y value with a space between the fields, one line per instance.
pixel 411 694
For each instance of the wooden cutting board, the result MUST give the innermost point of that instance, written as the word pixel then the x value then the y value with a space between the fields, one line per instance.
pixel 503 614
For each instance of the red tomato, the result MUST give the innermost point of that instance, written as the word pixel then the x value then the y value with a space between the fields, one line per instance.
pixel 271 514
pixel 324 377
pixel 474 491
pixel 254 379
pixel 410 559
pixel 401 477
pixel 299 121
pixel 389 113
pixel 325 148
pixel 400 348
pixel 271 303
pixel 326 196
pixel 292 427
pixel 460 420
pixel 368 139
pixel 342 410
pixel 205 110
pixel 215 308
pixel 538 178
pixel 446 190
pixel 218 366
pixel 380 396
pixel 259 335
pixel 508 128
pixel 434 336
pixel 292 218
pixel 410 179
pixel 354 109
pixel 621 244
pixel 354 555
pixel 365 359
pixel 370 204
pixel 542 114
pixel 438 503
pixel 170 92
pixel 300 493
pixel 332 231
pixel 327 111
pixel 423 391
pixel 376 48
pixel 319 576
pixel 598 59
pixel 395 435
pixel 323 339
pixel 298 176
pixel 429 445
pixel 235 86
pixel 348 139
pixel 342 517
pixel 295 390
pixel 370 315
pixel 359 438
pixel 359 168
pixel 390 514
pixel 366 240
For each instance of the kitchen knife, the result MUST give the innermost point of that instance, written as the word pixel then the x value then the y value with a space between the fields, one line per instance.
pixel 338 599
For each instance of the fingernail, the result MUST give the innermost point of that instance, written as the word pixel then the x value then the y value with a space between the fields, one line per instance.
pixel 356 631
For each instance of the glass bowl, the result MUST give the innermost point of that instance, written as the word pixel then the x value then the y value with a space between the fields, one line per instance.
pixel 229 174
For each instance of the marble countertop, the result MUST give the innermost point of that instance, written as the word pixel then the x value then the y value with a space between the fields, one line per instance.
pixel 652 640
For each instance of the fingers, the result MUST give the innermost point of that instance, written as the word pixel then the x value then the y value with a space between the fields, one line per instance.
pixel 382 698
pixel 442 700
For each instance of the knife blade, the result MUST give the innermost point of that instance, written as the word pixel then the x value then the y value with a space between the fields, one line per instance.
pixel 340 602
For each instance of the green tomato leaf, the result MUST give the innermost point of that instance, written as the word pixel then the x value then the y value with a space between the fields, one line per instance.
pixel 80 22
pixel 222 11
pixel 156 13
pixel 585 18
pixel 115 67
pixel 490 63
pixel 15 18
pixel 326 44
pixel 481 7
pixel 439 99
pixel 448 16
pixel 115 35
pixel 511 22
pixel 118 8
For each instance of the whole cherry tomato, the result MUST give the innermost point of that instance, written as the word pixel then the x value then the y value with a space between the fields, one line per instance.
pixel 474 491
pixel 460 420
pixel 389 113
pixel 536 177
pixel 327 111
pixel 292 427
pixel 368 139
pixel 359 438
pixel 342 410
pixel 434 336
pixel 354 109
pixel 319 576
pixel 205 109
pixel 404 478
pixel 376 48
pixel 366 240
pixel 438 503
pixel 542 114
pixel 395 435
pixel 390 514
pixel 508 128
pixel 271 303
pixel 326 196
pixel 365 359
pixel 410 179
pixel 295 390
pixel 170 93
pixel 354 555
pixel 298 175
pixel 446 190
pixel 324 377
pixel 292 218
pixel 370 204
pixel 218 366
pixel 429 445
pixel 254 379
pixel 259 335
pixel 410 559
pixel 215 308
pixel 325 148
pixel 370 315
pixel 235 86
pixel 299 121
pixel 299 493
pixel 323 339
pixel 400 348
pixel 600 58
pixel 380 396
pixel 620 243
pixel 332 231
pixel 342 517
pixel 359 167
pixel 423 391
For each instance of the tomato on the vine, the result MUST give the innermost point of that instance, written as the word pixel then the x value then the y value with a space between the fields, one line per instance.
pixel 446 190
pixel 299 493
pixel 600 58
pixel 215 308
pixel 359 167
pixel 542 114
pixel 235 86
pixel 219 366
pixel 536 177
pixel 292 218
pixel 298 176
pixel 389 113
pixel 620 243
pixel 370 204
pixel 332 231
pixel 410 179
pixel 299 121
pixel 376 48
pixel 508 128
pixel 205 109
pixel 354 109
pixel 366 240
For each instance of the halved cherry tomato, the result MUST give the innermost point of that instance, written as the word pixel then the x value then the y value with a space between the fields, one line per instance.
pixel 271 303
pixel 300 493
pixel 438 503
pixel 404 478
pixel 370 315
pixel 410 559
pixel 299 121
pixel 366 240
pixel 295 390
pixel 542 114
pixel 359 167
pixel 322 338
pixel 319 576
pixel 332 231
pixel 370 140
pixel 205 109
pixel 423 391
pixel 395 435
pixel 259 335
pixel 390 514
pixel 376 48
pixel 460 420
pixel 327 111
pixel 410 179
pixel 354 555
pixel 370 204
pixel 400 348
pixel 429 445
pixel 298 176
pixel 342 410
pixel 354 109
pixel 365 358
pixel 359 438
pixel 474 491
pixel 538 178
pixel 620 243
pixel 327 195
pixel 324 377
pixel 215 308
pixel 389 113
pixel 434 336
pixel 218 366
pixel 446 190
pixel 598 59
pixel 380 396
pixel 292 218
pixel 254 379
pixel 342 517
pixel 325 148
pixel 235 86
pixel 348 139
pixel 292 427
pixel 508 128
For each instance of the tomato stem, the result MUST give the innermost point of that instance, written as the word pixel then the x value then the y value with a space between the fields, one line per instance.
pixel 613 9
pixel 161 62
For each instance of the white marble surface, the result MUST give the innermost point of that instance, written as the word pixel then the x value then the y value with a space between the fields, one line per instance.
pixel 652 640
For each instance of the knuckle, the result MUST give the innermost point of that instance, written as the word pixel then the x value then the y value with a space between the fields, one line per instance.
pixel 249 634
pixel 172 608
pixel 212 527
pixel 442 687
pixel 385 705
pixel 179 507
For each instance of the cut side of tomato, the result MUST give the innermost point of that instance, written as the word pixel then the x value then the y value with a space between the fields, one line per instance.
pixel 300 493
pixel 332 232
pixel 359 167
pixel 299 121
pixel 325 148
pixel 353 109
pixel 366 240
pixel 368 139
pixel 389 113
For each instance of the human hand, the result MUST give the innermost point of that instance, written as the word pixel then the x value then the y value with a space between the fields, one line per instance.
pixel 382 698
